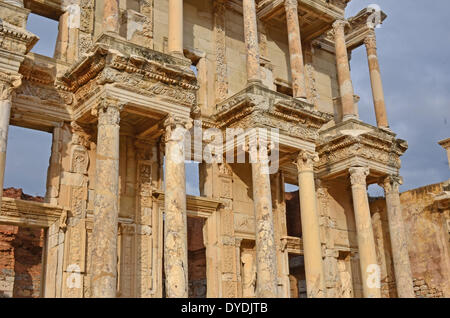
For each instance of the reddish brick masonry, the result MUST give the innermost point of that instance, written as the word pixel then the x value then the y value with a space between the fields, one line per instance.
pixel 20 255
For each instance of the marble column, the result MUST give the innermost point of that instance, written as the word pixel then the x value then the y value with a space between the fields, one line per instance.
pixel 314 270
pixel 266 259
pixel 175 44
pixel 106 203
pixel 111 16
pixel 251 41
pixel 175 223
pixel 375 80
pixel 370 270
pixel 8 83
pixel 343 70
pixel 399 243
pixel 295 49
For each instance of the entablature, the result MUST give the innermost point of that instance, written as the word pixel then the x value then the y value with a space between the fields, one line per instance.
pixel 360 26
pixel 258 106
pixel 131 74
pixel 354 143
pixel 29 213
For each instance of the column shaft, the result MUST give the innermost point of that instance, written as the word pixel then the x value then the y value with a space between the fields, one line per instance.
pixel 7 84
pixel 375 80
pixel 370 272
pixel 175 43
pixel 266 259
pixel 343 71
pixel 111 16
pixel 399 243
pixel 106 203
pixel 251 41
pixel 175 222
pixel 314 270
pixel 295 49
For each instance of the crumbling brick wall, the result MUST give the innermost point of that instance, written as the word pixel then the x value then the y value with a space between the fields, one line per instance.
pixel 20 255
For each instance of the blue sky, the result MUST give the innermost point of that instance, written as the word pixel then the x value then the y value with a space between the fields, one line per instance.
pixel 413 49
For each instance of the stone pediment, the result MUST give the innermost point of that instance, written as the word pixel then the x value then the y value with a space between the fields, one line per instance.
pixel 257 106
pixel 131 67
pixel 353 142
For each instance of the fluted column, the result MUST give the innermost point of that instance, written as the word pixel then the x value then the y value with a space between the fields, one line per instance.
pixel 8 83
pixel 399 243
pixel 295 49
pixel 370 272
pixel 175 223
pixel 343 70
pixel 266 259
pixel 111 15
pixel 106 202
pixel 314 270
pixel 375 80
pixel 251 41
pixel 175 43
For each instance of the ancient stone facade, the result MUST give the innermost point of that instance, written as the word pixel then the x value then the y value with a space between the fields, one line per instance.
pixel 129 79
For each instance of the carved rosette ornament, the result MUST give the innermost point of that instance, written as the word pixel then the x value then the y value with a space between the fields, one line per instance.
pixel 358 175
pixel 305 160
pixel 8 82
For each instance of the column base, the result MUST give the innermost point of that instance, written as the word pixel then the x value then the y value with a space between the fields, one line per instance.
pixel 386 129
pixel 350 117
pixel 178 54
pixel 301 98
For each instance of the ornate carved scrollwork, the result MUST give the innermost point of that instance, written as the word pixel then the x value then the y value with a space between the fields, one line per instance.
pixel 358 175
pixel 8 82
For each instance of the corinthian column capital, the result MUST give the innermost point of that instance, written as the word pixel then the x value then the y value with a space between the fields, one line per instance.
pixel 108 111
pixel 8 82
pixel 371 40
pixel 358 175
pixel 291 4
pixel 305 160
pixel 175 126
pixel 391 184
pixel 340 25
